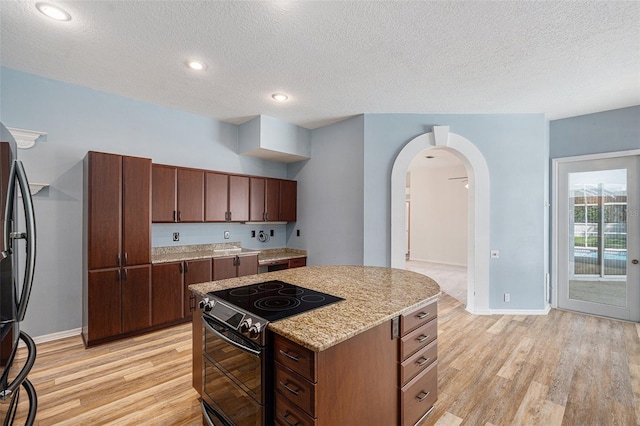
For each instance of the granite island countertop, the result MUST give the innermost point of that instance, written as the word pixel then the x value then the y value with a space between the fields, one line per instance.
pixel 372 296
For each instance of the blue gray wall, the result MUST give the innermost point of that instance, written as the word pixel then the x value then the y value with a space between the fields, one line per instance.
pixel 516 149
pixel 330 195
pixel 78 120
pixel 609 131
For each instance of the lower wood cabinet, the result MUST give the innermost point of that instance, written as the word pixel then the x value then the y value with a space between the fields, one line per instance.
pixel 118 302
pixel 195 271
pixel 234 266
pixel 171 299
pixel 167 293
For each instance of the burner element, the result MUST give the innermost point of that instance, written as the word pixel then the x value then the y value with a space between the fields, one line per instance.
pixel 277 303
pixel 270 285
pixel 296 291
pixel 242 292
pixel 313 298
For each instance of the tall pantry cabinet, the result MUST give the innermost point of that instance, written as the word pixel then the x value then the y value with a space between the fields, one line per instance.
pixel 116 246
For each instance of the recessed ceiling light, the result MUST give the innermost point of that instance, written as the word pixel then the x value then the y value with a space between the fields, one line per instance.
pixel 280 97
pixel 53 12
pixel 196 65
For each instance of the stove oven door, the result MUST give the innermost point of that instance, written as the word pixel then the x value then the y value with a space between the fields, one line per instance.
pixel 233 376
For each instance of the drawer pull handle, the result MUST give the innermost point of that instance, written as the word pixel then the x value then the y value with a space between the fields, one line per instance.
pixel 293 391
pixel 423 361
pixel 423 315
pixel 291 357
pixel 423 338
pixel 288 421
pixel 422 396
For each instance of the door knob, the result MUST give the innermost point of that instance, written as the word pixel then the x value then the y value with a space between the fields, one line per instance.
pixel 634 261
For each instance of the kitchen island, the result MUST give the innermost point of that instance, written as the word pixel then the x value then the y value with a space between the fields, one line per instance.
pixel 368 358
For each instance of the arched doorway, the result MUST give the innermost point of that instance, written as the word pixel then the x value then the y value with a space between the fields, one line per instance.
pixel 478 225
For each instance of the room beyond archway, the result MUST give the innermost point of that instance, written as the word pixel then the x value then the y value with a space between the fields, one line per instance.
pixel 437 218
pixel 478 207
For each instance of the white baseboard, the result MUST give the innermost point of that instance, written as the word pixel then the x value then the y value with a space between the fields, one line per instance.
pixel 544 311
pixel 55 336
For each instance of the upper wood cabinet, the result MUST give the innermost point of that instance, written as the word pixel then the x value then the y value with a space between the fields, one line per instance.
pixel 273 200
pixel 178 194
pixel 118 210
pixel 190 195
pixel 256 205
pixel 193 195
pixel 288 200
pixel 226 198
pixel 164 193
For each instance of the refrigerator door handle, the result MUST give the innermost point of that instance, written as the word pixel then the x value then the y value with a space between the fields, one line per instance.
pixel 30 237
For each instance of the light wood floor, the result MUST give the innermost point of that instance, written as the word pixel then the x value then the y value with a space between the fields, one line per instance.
pixel 561 369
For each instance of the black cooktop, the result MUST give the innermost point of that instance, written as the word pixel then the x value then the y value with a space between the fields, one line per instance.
pixel 274 300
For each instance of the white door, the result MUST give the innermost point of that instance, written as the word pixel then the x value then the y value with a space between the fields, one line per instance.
pixel 598 240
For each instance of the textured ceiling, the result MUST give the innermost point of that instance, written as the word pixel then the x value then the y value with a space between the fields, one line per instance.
pixel 339 59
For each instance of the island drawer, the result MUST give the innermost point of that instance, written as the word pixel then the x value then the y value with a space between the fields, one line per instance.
pixel 419 395
pixel 417 317
pixel 418 338
pixel 418 362
pixel 295 388
pixel 293 356
pixel 288 414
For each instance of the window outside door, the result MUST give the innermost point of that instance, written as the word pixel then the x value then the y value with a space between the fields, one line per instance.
pixel 598 247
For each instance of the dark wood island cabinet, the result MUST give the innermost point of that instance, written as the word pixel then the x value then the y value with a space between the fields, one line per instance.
pixel 369 359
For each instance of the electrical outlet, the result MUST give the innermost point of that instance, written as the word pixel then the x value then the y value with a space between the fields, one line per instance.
pixel 495 254
pixel 176 236
pixel 507 297
pixel 226 235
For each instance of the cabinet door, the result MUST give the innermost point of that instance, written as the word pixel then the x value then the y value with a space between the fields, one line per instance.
pixel 105 304
pixel 164 192
pixel 216 197
pixel 104 219
pixel 247 265
pixel 136 298
pixel 190 195
pixel 288 200
pixel 224 267
pixel 167 293
pixel 239 198
pixel 272 199
pixel 256 205
pixel 195 271
pixel 136 211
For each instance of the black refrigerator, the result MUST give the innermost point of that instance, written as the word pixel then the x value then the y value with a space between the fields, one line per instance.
pixel 17 261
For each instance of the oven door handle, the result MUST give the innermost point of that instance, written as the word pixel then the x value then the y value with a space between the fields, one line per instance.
pixel 226 339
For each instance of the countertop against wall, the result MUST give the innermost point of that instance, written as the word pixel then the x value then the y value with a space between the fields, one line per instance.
pixel 205 251
pixel 372 296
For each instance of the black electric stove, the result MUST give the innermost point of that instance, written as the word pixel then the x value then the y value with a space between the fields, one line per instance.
pixel 248 309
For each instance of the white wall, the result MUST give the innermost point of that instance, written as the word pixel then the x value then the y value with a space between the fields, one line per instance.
pixel 439 216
